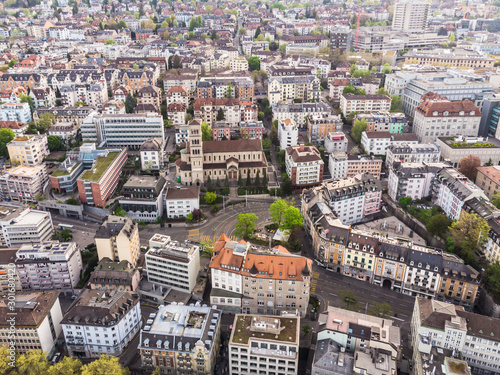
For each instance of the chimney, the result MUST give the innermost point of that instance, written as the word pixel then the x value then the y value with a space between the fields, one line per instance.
pixel 301 148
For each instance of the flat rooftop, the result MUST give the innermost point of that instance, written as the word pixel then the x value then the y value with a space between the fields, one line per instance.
pixel 30 308
pixel 31 218
pixel 100 166
pixel 284 329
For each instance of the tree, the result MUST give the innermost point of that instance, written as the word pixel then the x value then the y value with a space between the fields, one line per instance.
pixel 277 211
pixel 45 121
pixel 242 31
pixel 405 201
pixel 357 130
pixel 438 225
pixel 257 32
pixel 120 212
pixel 360 92
pixel 109 42
pixel 396 103
pixel 496 200
pixel 470 232
pixel 229 91
pixel 442 31
pixel 468 166
pixel 26 99
pixel 54 142
pixel 349 301
pixel 206 133
pixel 349 90
pixel 122 24
pixel 12 63
pixel 260 116
pixel 176 62
pixel 67 366
pixel 287 187
pixel 220 114
pixel 214 35
pixel 148 24
pixel 292 218
pixel 210 197
pixel 249 180
pixel 382 91
pixel 40 197
pixel 207 248
pixel 451 38
pixel 105 365
pixel 33 362
pixel 246 225
pixel 254 63
pixel 130 103
pixel 380 309
pixel 6 135
pixel 386 68
pixel 209 9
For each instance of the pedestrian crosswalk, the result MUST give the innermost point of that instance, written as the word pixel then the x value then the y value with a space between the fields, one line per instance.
pixel 215 238
pixel 314 281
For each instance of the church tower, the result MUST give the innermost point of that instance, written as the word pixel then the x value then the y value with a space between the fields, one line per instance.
pixel 196 152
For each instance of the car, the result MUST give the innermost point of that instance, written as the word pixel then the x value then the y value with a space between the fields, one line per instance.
pixel 56 358
pixel 74 296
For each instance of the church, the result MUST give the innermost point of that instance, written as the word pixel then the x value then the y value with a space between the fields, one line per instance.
pixel 218 159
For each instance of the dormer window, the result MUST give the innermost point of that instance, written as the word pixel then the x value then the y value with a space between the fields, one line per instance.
pixel 420 264
pixel 435 113
pixel 411 263
pixel 472 113
pixel 435 269
pixel 427 267
pixel 446 113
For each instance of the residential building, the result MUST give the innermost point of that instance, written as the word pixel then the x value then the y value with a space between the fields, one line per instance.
pixel 221 130
pixel 150 95
pixel 319 126
pixel 13 80
pixel 152 154
pixel 299 112
pixel 251 130
pixel 490 116
pixel 436 325
pixel 118 239
pixel 67 131
pixel 137 79
pixel 181 339
pixel 40 314
pixel 92 94
pixel 458 58
pixel 412 153
pixel 183 79
pixel 17 127
pixel 23 184
pixel 181 201
pixel 109 275
pixel 410 16
pixel 177 94
pixel 238 65
pixel 43 97
pixel 176 113
pixel 384 122
pixel 451 190
pixel 413 180
pixel 27 225
pixel 364 103
pixel 218 159
pixel 272 342
pixel 336 141
pixel 286 89
pixel 66 114
pixel 343 166
pixel 438 117
pixel 175 265
pixel 341 38
pixel 454 149
pixel 488 179
pixel 96 185
pixel 236 86
pixel 330 358
pixel 28 150
pixel 377 142
pixel 20 112
pixel 288 133
pixel 123 130
pixel 239 270
pixel 142 198
pixel 304 166
pixel 50 265
pixel 101 322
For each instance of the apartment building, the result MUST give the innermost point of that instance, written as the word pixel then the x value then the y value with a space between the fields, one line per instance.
pixel 23 184
pixel 43 97
pixel 207 109
pixel 299 112
pixel 152 154
pixel 364 103
pixel 181 201
pixel 238 65
pixel 491 249
pixel 27 225
pixel 255 280
pixel 149 96
pixel 341 38
pixel 40 314
pixel 240 87
pixel 142 198
pixel 251 130
pixel 451 190
pixel 441 327
pixel 343 166
pixel 286 89
pixel 50 265
pixel 174 265
pixel 177 114
pixel 92 94
pixel 180 339
pixel 17 127
pixel 123 130
pixel 319 126
pixel 458 58
pixel 118 239
pixel 359 256
pixel 304 166
pixel 454 149
pixel 20 112
pixel 288 133
pixel 438 117
pixel 264 342
pixel 177 94
pixel 109 275
pixel 96 185
pixel 183 79
pixel 384 122
pixel 336 141
pixel 66 114
pixel 101 322
pixel 137 79
pixel 377 142
pixel 28 150
pixel 410 16
pixel 12 80
pixel 412 153
pixel 415 180
pixel 488 179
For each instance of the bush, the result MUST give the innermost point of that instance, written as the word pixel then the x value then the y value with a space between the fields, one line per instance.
pixel 225 191
pixel 242 191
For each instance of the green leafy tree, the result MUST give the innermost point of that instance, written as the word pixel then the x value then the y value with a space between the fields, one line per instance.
pixel 360 92
pixel 207 248
pixel 32 362
pixel 349 301
pixel 381 310
pixel 396 103
pixel 405 201
pixel 45 121
pixel 120 212
pixel 26 99
pixel 54 142
pixel 277 211
pixel 210 197
pixel 292 218
pixel 254 63
pixel 122 25
pixel 495 199
pixel 492 280
pixel 130 103
pixel 246 225
pixel 438 225
pixel 358 129
pixel 470 232
pixel 105 365
pixel 12 63
pixel 6 136
pixel 229 91
pixel 109 42
pixel 287 187
pixel 242 31
pixel 257 32
pixel 382 91
pixel 206 133
pixel 249 180
pixel 386 68
pixel 349 90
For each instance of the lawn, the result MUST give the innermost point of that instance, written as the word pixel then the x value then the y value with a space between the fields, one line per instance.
pixel 64 172
pixel 242 332
pixel 101 165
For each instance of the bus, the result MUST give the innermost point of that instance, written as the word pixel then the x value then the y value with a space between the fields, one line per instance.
pixel 64 226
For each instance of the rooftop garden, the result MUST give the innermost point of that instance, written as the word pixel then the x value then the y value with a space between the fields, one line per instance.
pixel 101 165
pixel 64 172
pixel 472 145
pixel 242 331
